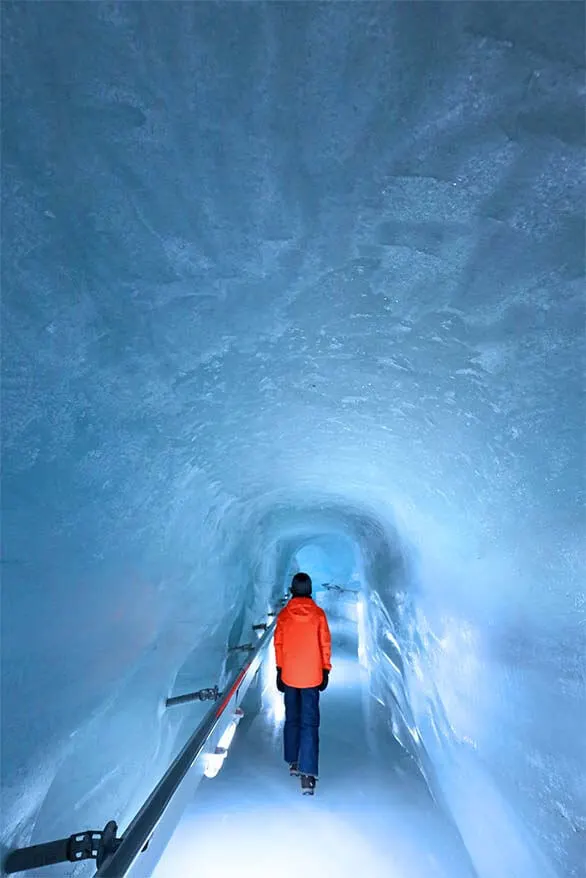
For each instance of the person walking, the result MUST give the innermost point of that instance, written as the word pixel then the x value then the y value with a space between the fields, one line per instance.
pixel 303 647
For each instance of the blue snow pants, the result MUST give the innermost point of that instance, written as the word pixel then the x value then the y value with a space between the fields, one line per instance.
pixel 301 733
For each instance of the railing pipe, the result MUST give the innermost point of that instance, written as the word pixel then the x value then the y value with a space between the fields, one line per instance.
pixel 211 694
pixel 143 843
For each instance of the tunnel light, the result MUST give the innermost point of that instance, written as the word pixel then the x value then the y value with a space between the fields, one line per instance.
pixel 274 699
pixel 215 760
pixel 227 737
pixel 279 710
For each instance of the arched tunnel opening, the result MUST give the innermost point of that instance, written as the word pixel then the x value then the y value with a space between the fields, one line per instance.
pixel 296 286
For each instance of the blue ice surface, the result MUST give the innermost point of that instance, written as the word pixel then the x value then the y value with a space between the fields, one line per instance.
pixel 292 284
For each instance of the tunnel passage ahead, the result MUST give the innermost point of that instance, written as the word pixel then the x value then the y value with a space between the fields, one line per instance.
pixel 372 812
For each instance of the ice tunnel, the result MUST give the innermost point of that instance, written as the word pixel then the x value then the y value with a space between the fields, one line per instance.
pixel 297 285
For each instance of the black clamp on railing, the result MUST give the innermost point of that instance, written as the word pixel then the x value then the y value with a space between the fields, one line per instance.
pixel 262 626
pixel 89 845
pixel 245 647
pixel 211 694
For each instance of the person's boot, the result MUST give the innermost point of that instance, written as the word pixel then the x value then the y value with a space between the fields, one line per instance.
pixel 307 784
pixel 294 769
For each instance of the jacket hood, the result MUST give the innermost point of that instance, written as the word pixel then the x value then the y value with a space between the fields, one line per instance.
pixel 301 609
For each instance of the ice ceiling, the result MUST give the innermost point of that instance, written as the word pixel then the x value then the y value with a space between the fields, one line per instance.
pixel 280 270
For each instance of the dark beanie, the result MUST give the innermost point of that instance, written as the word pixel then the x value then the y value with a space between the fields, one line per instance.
pixel 301 586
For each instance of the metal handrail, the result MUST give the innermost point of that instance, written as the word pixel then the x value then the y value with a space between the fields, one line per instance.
pixel 145 832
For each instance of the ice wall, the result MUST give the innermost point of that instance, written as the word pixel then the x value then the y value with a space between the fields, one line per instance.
pixel 273 270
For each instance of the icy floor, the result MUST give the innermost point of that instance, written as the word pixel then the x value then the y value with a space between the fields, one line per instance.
pixel 370 816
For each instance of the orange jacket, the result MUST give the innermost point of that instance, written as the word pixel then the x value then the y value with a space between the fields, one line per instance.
pixel 303 645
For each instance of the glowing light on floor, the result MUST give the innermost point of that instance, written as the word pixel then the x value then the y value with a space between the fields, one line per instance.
pixel 215 760
pixel 277 707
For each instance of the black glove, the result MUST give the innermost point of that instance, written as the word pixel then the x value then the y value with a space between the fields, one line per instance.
pixel 280 684
pixel 324 681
